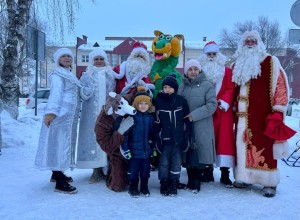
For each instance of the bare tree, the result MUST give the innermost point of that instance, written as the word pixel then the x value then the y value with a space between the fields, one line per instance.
pixel 18 14
pixel 268 30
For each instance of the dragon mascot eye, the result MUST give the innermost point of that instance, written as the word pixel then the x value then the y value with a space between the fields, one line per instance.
pixel 166 50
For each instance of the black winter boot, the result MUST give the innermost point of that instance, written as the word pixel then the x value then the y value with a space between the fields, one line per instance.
pixel 191 176
pixel 208 174
pixel 164 187
pixel 62 184
pixel 133 188
pixel 54 176
pixel 144 187
pixel 197 181
pixel 225 177
pixel 173 187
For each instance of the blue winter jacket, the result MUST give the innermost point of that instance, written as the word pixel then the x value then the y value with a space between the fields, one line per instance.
pixel 139 140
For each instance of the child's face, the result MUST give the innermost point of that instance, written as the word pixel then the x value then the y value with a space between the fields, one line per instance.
pixel 143 106
pixel 168 89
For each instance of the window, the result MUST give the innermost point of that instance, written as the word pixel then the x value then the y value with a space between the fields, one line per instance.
pixel 124 57
pixel 85 58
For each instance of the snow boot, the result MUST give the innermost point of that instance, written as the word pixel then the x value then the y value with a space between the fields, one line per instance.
pixel 208 174
pixel 225 177
pixel 269 191
pixel 191 177
pixel 54 176
pixel 173 187
pixel 133 188
pixel 62 185
pixel 164 187
pixel 197 181
pixel 144 187
pixel 238 184
pixel 96 177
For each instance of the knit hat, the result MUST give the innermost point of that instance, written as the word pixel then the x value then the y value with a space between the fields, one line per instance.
pixel 170 80
pixel 60 52
pixel 211 47
pixel 191 63
pixel 141 96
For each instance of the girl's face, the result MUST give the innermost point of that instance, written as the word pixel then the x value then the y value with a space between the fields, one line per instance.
pixel 143 106
pixel 193 72
pixel 168 89
pixel 99 61
pixel 65 60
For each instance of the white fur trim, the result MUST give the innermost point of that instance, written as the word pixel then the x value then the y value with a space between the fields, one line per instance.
pixel 225 161
pixel 280 150
pixel 211 48
pixel 60 52
pixel 139 49
pixel 241 172
pixel 280 108
pixel 122 71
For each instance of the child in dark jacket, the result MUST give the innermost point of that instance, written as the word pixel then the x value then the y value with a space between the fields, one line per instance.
pixel 170 124
pixel 138 145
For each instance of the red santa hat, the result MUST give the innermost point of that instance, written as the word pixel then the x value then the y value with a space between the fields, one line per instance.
pixel 211 47
pixel 139 46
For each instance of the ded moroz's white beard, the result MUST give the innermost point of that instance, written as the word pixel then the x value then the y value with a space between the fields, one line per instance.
pixel 213 67
pixel 137 66
pixel 247 65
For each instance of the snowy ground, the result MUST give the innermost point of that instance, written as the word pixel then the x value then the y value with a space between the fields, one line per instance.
pixel 26 192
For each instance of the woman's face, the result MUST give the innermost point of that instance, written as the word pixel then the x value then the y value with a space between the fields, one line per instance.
pixel 65 60
pixel 99 61
pixel 193 72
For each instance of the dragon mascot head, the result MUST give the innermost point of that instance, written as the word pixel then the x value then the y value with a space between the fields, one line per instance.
pixel 166 50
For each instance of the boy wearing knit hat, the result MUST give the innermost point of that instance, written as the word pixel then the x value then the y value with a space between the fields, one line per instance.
pixel 138 144
pixel 170 109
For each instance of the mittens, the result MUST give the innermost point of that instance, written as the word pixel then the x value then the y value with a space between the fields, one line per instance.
pixel 125 153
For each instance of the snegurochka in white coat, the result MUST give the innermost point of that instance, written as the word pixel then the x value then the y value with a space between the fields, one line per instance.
pixel 89 153
pixel 57 142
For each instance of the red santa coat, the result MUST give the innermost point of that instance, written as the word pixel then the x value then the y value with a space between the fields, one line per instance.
pixel 223 122
pixel 259 102
pixel 121 83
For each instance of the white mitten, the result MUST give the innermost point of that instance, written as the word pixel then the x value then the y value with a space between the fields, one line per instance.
pixel 125 124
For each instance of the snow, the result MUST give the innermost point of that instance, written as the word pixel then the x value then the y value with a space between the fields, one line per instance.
pixel 26 192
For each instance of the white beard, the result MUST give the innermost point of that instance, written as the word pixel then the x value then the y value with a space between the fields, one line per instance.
pixel 214 69
pixel 137 67
pixel 247 65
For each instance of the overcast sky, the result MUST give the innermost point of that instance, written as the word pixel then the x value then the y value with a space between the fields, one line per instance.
pixel 192 18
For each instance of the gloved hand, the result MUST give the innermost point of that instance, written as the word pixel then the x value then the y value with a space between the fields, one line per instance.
pixel 126 154
pixel 142 83
pixel 85 80
pixel 154 153
pixel 125 124
pixel 49 118
pixel 87 91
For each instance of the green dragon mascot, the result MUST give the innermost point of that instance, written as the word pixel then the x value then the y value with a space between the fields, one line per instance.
pixel 166 50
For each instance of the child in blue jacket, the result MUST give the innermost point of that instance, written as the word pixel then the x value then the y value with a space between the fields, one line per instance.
pixel 138 145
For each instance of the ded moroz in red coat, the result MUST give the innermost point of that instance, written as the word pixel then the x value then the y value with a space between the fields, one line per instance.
pixel 121 83
pixel 223 121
